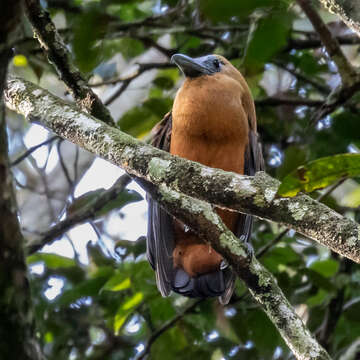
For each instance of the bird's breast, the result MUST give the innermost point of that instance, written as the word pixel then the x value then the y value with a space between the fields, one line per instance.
pixel 210 124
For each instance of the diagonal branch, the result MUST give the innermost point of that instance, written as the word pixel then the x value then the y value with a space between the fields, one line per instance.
pixel 81 215
pixel 348 10
pixel 59 56
pixel 254 195
pixel 201 216
pixel 346 71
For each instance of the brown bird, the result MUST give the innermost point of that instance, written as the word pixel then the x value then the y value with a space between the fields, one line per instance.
pixel 212 122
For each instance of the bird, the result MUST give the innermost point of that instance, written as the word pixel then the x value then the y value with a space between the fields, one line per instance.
pixel 212 122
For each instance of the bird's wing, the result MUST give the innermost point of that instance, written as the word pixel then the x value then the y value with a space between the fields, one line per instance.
pixel 160 237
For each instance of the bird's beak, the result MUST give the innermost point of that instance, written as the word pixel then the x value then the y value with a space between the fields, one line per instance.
pixel 189 66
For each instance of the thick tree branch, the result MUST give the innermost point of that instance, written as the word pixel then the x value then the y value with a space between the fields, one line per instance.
pixel 255 195
pixel 348 10
pixel 200 215
pixel 59 56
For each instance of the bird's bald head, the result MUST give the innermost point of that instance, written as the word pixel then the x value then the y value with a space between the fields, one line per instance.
pixel 194 67
pixel 204 65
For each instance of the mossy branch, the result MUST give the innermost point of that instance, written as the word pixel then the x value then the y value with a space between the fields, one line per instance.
pixel 254 195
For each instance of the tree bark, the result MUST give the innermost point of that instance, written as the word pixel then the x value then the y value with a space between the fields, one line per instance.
pixel 17 319
pixel 254 195
pixel 152 166
pixel 348 10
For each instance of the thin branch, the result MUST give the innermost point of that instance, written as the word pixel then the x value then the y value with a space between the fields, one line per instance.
pixel 352 352
pixel 127 80
pixel 32 149
pixel 339 96
pixel 142 67
pixel 272 101
pixel 346 71
pixel 313 43
pixel 168 325
pixel 334 309
pixel 81 215
pixel 324 89
pixel 59 56
pixel 248 194
pixel 262 251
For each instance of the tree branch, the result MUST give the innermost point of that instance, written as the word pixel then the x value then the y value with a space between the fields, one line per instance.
pixel 346 71
pixel 313 43
pixel 348 10
pixel 32 149
pixel 81 215
pixel 200 215
pixel 59 56
pixel 17 325
pixel 255 195
pixel 151 164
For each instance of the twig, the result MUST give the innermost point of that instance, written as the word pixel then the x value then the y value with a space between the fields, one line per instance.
pixel 32 149
pixel 126 81
pixel 272 101
pixel 352 352
pixel 262 251
pixel 337 97
pixel 334 309
pixel 141 68
pixel 59 56
pixel 169 324
pixel 324 89
pixel 81 215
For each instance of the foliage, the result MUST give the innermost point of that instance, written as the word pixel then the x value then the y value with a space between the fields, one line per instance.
pixel 108 307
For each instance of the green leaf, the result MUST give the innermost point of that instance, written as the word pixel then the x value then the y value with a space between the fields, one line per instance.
pixel 52 261
pixel 133 301
pixel 84 201
pixel 117 283
pixel 326 268
pixel 294 156
pixel 317 299
pixel 130 48
pixel 86 288
pixel 320 173
pixel 136 248
pixel 140 120
pixel 137 120
pixel 164 82
pixel 125 310
pixel 88 30
pixel 280 256
pixel 269 35
pixel 319 280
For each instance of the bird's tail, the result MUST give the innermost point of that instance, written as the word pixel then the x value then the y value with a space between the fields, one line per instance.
pixel 218 283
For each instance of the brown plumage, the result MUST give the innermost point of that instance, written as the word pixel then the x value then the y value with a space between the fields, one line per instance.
pixel 212 122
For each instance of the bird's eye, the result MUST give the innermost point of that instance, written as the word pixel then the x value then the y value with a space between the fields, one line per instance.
pixel 216 63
